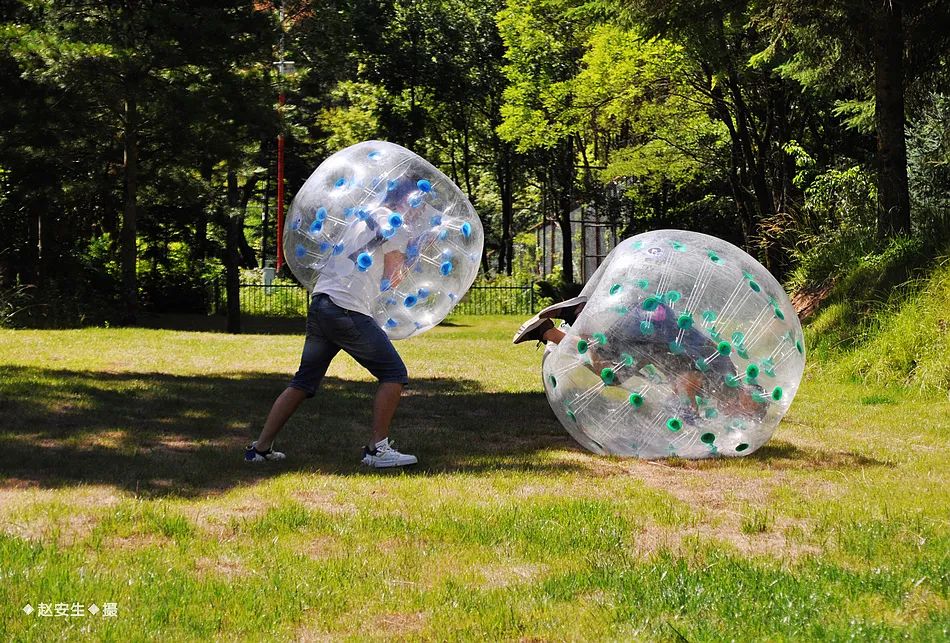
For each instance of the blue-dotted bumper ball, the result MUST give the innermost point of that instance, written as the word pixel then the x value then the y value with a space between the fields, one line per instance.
pixel 687 347
pixel 383 228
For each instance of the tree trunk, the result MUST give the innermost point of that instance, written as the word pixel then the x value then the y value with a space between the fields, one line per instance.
pixel 893 198
pixel 232 254
pixel 128 252
pixel 564 185
pixel 199 250
pixel 505 188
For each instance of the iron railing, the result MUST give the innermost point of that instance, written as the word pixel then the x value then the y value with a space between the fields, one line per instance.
pixel 288 300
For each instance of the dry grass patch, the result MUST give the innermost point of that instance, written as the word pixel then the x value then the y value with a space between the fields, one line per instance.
pixel 325 501
pixel 226 565
pixel 502 575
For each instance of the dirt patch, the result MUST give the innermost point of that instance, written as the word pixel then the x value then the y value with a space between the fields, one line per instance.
pixel 228 566
pixel 62 530
pixel 135 541
pixel 22 510
pixel 220 520
pixel 806 302
pixel 318 547
pixel 725 499
pixel 396 624
pixel 324 501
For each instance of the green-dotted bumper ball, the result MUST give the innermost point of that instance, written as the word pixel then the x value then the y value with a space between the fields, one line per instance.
pixel 687 347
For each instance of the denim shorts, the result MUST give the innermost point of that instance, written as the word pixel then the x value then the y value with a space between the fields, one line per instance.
pixel 330 329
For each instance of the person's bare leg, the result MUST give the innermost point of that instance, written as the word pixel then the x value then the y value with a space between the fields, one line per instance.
pixel 284 406
pixel 553 335
pixel 384 407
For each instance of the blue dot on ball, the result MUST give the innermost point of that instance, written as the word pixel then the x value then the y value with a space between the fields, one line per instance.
pixel 384 285
pixel 451 296
pixel 362 214
pixel 338 249
pixel 347 213
pixel 423 293
pixel 391 184
pixel 466 229
pixel 395 219
pixel 435 220
pixel 388 232
pixel 364 261
pixel 300 251
pixel 410 301
pixel 296 224
pixel 316 226
pixel 340 182
pixel 415 201
pixel 392 323
pixel 445 268
pixel 375 155
pixel 324 246
pixel 320 214
pixel 443 235
pixel 424 185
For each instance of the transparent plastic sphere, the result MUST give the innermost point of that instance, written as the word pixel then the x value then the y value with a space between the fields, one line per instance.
pixel 687 347
pixel 374 205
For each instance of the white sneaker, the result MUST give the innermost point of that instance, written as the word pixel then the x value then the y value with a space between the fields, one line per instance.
pixel 251 454
pixel 385 456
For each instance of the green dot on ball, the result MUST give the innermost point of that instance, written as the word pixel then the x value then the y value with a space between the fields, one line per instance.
pixel 553 381
pixel 684 321
pixel 738 337
pixel 778 313
pixel 754 286
pixel 582 346
pixel 651 303
pixel 711 413
pixel 799 347
pixel 571 415
pixel 627 359
pixel 674 424
pixel 715 258
pixel 724 348
pixel 643 284
pixel 732 381
pixel 679 247
pixel 646 327
pixel 608 376
pixel 741 447
pixel 673 296
pixel 752 371
pixel 636 400
pixel 601 338
pixel 708 438
pixel 777 393
pixel 677 348
pixel 701 365
pixel 615 289
pixel 709 316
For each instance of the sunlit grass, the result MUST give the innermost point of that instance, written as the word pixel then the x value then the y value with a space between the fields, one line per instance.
pixel 121 482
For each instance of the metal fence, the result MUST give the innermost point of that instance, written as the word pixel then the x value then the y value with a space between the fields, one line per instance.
pixel 291 301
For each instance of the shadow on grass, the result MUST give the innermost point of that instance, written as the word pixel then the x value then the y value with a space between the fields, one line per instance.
pixel 250 324
pixel 159 434
pixel 779 455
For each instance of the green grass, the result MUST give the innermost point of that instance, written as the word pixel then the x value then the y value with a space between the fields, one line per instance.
pixel 121 481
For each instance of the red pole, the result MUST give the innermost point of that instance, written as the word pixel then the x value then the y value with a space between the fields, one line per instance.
pixel 280 188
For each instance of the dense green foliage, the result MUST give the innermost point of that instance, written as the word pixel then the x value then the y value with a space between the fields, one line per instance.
pixel 137 138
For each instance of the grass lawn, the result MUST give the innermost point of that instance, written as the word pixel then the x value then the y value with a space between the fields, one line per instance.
pixel 121 481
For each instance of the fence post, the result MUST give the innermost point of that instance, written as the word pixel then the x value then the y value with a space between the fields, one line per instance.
pixel 531 290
